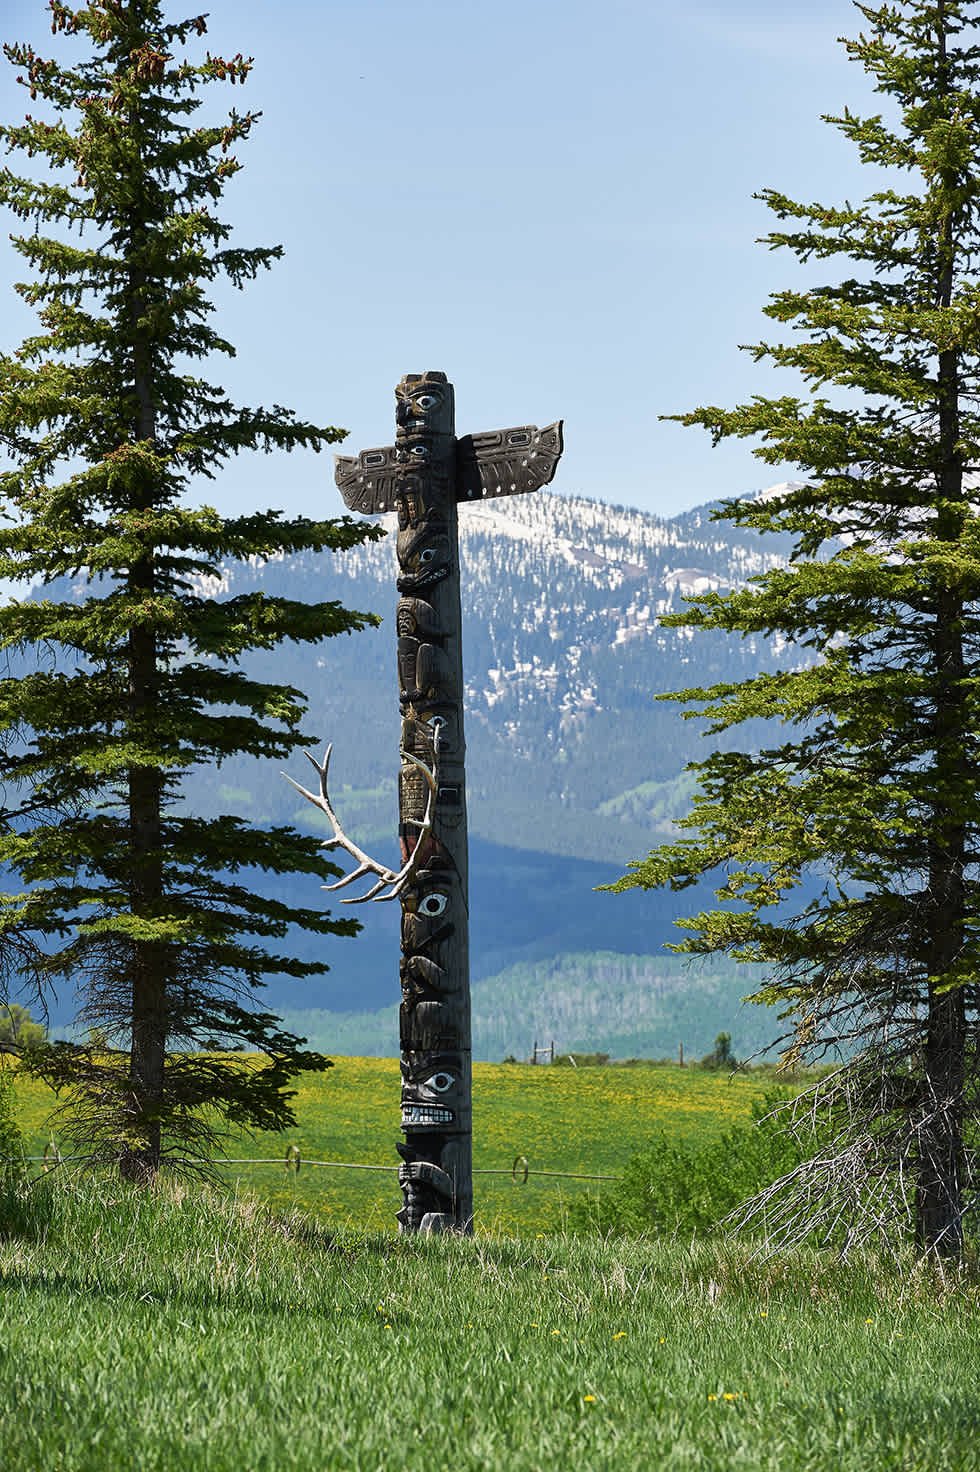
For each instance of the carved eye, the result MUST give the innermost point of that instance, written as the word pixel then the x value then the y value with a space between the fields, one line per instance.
pixel 441 1082
pixel 433 904
pixel 420 451
pixel 428 555
pixel 427 401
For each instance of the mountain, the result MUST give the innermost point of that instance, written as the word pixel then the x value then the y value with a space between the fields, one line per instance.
pixel 573 765
pixel 569 750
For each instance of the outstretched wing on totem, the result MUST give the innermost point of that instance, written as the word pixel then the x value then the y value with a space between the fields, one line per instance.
pixel 367 481
pixel 506 462
pixel 495 462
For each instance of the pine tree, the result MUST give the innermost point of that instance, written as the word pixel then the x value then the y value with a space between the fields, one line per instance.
pixel 846 851
pixel 123 687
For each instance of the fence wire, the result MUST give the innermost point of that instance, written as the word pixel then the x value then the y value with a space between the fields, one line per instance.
pixel 520 1172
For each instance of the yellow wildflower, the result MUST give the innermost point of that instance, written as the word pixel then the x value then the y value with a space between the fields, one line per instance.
pixel 621 1334
pixel 588 1397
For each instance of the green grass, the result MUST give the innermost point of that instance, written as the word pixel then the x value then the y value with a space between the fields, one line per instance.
pixel 178 1331
pixel 587 1121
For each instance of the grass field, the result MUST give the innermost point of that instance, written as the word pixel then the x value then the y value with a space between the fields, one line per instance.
pixel 586 1121
pixel 169 1332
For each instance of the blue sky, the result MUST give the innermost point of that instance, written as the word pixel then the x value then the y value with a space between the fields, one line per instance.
pixel 547 199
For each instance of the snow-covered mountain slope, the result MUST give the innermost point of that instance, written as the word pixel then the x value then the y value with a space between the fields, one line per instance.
pixel 564 652
pixel 574 767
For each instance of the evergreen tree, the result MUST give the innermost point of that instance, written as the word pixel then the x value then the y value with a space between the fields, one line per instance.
pixel 136 678
pixel 871 786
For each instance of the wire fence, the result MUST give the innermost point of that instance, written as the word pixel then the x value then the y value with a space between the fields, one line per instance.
pixel 293 1161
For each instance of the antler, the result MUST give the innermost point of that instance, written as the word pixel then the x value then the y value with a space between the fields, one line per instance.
pixel 365 864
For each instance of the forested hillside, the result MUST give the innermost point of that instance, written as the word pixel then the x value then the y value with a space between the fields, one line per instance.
pixel 574 766
pixel 569 752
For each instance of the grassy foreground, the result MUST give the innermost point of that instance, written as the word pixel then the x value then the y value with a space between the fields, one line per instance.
pixel 170 1331
pixel 586 1120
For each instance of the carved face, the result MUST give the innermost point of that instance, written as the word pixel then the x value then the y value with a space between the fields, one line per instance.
pixel 428 1185
pixel 432 1090
pixel 424 405
pixel 425 920
pixel 415 499
pixel 422 979
pixel 416 619
pixel 425 558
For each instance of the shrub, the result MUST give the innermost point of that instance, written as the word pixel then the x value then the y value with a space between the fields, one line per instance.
pixel 13 1168
pixel 721 1055
pixel 686 1189
pixel 26 1206
pixel 18 1028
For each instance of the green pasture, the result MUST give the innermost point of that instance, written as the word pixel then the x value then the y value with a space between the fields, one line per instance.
pixel 176 1331
pixel 586 1121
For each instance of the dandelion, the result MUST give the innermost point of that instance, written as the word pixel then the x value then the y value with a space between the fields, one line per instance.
pixel 535 1326
pixel 621 1334
pixel 588 1399
pixel 663 1341
pixel 556 1331
pixel 712 1397
pixel 730 1395
pixel 869 1321
pixel 763 1313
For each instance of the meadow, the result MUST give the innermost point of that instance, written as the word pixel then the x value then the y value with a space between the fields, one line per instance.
pixel 277 1322
pixel 585 1121
pixel 180 1331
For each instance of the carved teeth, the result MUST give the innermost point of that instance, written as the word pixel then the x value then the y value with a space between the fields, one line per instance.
pixel 426 1114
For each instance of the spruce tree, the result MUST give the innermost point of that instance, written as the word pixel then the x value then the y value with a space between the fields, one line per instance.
pixel 129 675
pixel 846 851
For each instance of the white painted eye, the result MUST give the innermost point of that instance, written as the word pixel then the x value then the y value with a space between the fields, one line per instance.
pixel 441 1082
pixel 427 401
pixel 433 904
pixel 420 451
pixel 427 555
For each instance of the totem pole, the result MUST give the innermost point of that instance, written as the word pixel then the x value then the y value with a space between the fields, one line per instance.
pixel 422 478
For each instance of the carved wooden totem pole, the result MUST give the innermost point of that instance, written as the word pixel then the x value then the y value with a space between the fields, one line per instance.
pixel 423 477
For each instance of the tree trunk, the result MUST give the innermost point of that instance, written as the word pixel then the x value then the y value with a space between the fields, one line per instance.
pixel 148 1047
pixel 939 1194
pixel 140 1160
pixel 939 1188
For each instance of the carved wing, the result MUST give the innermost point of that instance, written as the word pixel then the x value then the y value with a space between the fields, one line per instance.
pixel 367 481
pixel 496 462
pixel 505 462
